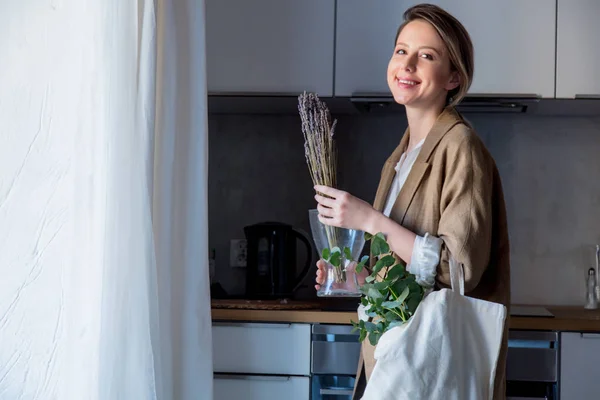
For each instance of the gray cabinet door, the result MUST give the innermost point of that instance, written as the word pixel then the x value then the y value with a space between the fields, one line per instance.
pixel 270 46
pixel 578 50
pixel 257 387
pixel 580 366
pixel 514 44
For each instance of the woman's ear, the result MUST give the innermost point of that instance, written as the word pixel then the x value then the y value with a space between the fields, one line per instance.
pixel 454 81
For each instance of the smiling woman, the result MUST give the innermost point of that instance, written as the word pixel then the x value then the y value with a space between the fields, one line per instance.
pixel 427 58
pixel 440 197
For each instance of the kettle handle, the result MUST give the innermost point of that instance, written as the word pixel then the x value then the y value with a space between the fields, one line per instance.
pixel 310 250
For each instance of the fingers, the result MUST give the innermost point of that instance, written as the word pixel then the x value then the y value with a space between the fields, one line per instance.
pixel 351 266
pixel 320 276
pixel 326 220
pixel 325 212
pixel 329 191
pixel 326 201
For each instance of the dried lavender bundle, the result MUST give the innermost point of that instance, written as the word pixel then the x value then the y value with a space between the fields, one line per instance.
pixel 320 153
pixel 319 147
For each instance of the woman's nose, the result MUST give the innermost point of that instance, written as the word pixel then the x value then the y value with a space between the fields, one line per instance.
pixel 409 63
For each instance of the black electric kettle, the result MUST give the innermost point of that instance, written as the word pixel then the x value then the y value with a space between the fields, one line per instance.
pixel 271 270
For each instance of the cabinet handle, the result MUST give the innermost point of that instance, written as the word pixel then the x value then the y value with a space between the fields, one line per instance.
pixel 252 377
pixel 587 96
pixel 524 96
pixel 257 93
pixel 252 325
pixel 337 392
pixel 590 335
pixel 527 398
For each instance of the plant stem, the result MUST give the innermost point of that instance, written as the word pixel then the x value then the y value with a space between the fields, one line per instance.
pixel 401 311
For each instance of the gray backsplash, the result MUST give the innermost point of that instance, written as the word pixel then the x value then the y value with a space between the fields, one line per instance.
pixel 550 168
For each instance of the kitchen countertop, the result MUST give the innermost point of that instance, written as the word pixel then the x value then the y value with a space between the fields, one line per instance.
pixel 566 318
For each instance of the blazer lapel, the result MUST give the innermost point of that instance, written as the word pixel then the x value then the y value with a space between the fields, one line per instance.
pixel 447 119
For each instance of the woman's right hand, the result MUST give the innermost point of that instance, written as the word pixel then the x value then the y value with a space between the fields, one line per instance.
pixel 322 273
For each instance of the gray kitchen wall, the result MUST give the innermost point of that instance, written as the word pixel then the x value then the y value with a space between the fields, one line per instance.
pixel 550 168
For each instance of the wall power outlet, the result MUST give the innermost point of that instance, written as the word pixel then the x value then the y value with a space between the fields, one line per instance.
pixel 237 253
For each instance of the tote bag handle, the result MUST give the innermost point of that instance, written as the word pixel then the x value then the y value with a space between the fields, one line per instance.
pixel 457 276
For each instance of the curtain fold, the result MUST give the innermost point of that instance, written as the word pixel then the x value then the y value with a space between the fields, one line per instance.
pixel 104 290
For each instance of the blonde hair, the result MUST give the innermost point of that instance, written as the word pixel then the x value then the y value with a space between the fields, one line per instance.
pixel 457 41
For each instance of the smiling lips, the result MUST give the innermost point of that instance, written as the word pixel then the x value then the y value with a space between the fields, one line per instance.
pixel 406 83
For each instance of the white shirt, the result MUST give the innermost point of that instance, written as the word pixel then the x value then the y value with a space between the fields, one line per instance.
pixel 426 250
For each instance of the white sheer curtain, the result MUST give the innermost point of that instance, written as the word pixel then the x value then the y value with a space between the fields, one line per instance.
pixel 103 206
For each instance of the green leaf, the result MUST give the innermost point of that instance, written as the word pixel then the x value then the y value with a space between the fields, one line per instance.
pixel 395 323
pixel 368 236
pixel 374 338
pixel 336 250
pixel 364 301
pixel 335 259
pixel 374 294
pixel 415 288
pixel 390 316
pixel 381 285
pixel 391 304
pixel 363 336
pixel 384 262
pixel 325 254
pixel 400 285
pixel 370 327
pixel 397 271
pixel 404 294
pixel 371 314
pixel 370 278
pixel 362 263
pixel 348 254
pixel 412 303
pixel 379 245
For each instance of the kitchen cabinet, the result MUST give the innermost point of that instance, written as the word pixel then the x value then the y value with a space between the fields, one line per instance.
pixel 251 387
pixel 514 43
pixel 270 46
pixel 579 369
pixel 578 54
pixel 255 348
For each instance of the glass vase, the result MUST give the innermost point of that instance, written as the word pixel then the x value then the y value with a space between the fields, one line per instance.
pixel 340 281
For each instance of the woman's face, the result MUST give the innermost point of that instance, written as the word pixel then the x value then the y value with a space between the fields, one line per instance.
pixel 419 73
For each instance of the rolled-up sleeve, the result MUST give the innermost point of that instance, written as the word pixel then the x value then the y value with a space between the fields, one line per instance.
pixel 425 259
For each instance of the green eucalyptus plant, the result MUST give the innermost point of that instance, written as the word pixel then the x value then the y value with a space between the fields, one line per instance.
pixel 390 294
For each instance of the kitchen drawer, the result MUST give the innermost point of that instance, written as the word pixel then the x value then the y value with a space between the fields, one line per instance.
pixel 253 348
pixel 579 371
pixel 253 387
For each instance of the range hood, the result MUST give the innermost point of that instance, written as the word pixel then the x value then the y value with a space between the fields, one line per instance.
pixel 263 103
pixel 472 103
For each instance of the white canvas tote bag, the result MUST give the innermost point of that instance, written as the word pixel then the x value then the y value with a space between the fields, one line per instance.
pixel 448 350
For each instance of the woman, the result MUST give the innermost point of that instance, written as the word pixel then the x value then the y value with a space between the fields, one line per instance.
pixel 440 194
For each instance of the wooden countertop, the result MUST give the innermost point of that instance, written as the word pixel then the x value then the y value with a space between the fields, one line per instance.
pixel 565 318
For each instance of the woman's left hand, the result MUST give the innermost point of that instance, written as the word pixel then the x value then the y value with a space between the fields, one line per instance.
pixel 343 210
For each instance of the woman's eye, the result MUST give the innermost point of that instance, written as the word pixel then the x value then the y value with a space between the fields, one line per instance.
pixel 427 56
pixel 400 51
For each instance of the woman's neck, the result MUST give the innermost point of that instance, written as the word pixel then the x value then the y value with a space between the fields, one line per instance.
pixel 420 122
